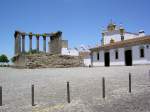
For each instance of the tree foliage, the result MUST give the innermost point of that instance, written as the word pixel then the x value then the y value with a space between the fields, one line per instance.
pixel 13 59
pixel 4 58
pixel 33 51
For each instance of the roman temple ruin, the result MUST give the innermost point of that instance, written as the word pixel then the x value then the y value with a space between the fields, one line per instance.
pixel 34 58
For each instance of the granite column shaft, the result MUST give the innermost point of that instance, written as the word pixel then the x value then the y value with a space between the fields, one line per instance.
pixel 44 44
pixel 23 43
pixel 30 43
pixel 37 43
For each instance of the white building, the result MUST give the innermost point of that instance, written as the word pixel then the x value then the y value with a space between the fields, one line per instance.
pixel 82 51
pixel 119 47
pixel 71 52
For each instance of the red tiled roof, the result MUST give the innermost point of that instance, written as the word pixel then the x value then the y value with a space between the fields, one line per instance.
pixel 84 54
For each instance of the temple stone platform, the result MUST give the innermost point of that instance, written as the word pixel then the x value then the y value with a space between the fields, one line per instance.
pixel 42 60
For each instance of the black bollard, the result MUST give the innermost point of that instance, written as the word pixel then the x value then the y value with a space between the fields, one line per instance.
pixel 129 82
pixel 68 92
pixel 0 96
pixel 32 96
pixel 103 87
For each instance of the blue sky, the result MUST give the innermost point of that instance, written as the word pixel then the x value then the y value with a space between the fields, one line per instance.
pixel 81 21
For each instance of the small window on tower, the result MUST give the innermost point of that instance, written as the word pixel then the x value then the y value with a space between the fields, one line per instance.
pixel 97 56
pixel 116 54
pixel 122 38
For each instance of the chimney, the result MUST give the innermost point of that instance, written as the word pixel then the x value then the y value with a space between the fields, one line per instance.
pixel 141 33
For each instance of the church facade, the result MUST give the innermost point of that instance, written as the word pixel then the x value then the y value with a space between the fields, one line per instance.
pixel 119 47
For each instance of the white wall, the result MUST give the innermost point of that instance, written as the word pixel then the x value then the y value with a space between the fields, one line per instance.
pixel 148 52
pixel 99 62
pixel 117 37
pixel 136 59
pixel 120 60
pixel 87 61
pixel 113 61
pixel 71 52
pixel 94 56
pixel 136 55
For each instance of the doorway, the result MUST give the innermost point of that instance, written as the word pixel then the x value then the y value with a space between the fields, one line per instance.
pixel 128 57
pixel 107 59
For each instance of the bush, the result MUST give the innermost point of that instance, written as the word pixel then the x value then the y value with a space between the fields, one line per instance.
pixel 34 51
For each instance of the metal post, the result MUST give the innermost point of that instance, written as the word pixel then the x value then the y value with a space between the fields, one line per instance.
pixel 129 82
pixel 0 96
pixel 68 92
pixel 103 87
pixel 32 92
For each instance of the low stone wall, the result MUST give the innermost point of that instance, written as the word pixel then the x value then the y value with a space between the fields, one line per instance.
pixel 50 61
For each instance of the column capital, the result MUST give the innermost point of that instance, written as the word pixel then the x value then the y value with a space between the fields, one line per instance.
pixel 16 34
pixel 30 35
pixel 23 35
pixel 44 35
pixel 37 36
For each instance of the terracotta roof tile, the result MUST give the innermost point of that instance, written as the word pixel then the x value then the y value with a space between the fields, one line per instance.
pixel 84 54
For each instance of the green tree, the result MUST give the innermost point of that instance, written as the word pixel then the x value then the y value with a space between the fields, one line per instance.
pixel 13 59
pixel 4 59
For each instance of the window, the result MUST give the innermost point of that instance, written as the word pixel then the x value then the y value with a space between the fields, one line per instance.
pixel 122 37
pixel 147 46
pixel 97 56
pixel 141 52
pixel 116 54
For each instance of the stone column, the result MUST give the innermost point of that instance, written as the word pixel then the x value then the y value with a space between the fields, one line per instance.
pixel 19 43
pixel 37 42
pixel 16 35
pixel 23 42
pixel 15 44
pixel 49 45
pixel 91 55
pixel 30 43
pixel 44 43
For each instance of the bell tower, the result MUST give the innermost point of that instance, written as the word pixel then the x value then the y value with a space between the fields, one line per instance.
pixel 111 27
